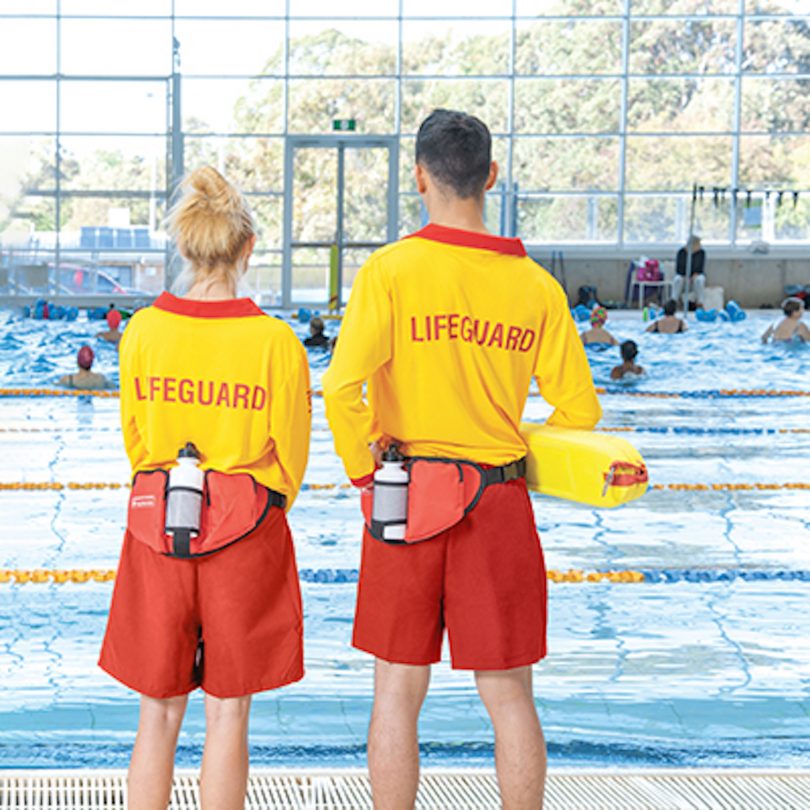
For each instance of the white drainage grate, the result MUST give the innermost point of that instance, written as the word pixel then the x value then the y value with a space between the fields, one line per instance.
pixel 440 790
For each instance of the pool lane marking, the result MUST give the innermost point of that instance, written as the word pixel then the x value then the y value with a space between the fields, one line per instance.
pixel 699 394
pixel 315 487
pixel 337 576
pixel 675 487
pixel 676 430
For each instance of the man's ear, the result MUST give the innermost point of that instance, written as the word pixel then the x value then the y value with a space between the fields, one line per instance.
pixel 421 177
pixel 493 175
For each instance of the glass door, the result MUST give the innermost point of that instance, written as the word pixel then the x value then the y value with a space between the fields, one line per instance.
pixel 340 204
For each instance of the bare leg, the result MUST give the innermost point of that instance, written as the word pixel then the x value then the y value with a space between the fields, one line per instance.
pixel 224 774
pixel 393 746
pixel 520 750
pixel 699 286
pixel 151 767
pixel 677 288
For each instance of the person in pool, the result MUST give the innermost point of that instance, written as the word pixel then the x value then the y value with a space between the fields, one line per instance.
pixel 84 378
pixel 317 338
pixel 212 374
pixel 597 333
pixel 669 323
pixel 112 334
pixel 629 350
pixel 791 326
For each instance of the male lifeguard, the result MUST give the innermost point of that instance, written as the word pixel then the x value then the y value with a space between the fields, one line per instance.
pixel 448 327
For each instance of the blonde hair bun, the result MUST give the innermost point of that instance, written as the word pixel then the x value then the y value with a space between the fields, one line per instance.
pixel 210 221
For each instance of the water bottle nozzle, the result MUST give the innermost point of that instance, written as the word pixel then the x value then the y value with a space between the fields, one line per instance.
pixel 189 451
pixel 391 453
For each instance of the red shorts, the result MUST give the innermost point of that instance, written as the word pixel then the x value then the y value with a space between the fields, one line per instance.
pixel 230 622
pixel 484 579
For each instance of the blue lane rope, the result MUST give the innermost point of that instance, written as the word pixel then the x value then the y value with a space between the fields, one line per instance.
pixel 651 575
pixel 715 393
pixel 704 431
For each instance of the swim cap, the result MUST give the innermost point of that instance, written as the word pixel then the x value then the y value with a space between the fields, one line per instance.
pixel 85 358
pixel 113 318
pixel 598 316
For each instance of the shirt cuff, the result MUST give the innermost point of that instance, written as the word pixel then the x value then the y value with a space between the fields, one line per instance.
pixel 365 481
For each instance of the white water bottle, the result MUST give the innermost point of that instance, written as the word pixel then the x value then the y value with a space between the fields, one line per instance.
pixel 184 497
pixel 389 509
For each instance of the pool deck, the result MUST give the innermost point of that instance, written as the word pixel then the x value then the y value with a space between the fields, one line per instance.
pixel 442 789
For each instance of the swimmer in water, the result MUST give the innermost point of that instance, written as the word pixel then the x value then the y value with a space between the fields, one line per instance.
pixel 84 378
pixel 791 326
pixel 317 337
pixel 112 335
pixel 669 323
pixel 629 351
pixel 597 333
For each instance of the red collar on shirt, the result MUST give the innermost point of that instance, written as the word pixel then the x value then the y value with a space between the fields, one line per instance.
pixel 470 239
pixel 232 308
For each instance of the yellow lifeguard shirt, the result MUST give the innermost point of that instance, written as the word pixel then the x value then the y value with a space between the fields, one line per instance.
pixel 448 327
pixel 220 374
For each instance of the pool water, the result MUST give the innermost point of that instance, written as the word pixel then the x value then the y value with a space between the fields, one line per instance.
pixel 673 672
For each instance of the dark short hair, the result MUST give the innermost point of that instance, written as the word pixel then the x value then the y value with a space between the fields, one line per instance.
pixel 456 148
pixel 629 350
pixel 317 325
pixel 671 307
pixel 791 305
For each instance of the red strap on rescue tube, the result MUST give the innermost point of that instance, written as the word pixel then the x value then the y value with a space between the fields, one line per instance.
pixel 631 474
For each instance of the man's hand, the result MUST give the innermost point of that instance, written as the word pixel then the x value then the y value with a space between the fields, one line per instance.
pixel 376 451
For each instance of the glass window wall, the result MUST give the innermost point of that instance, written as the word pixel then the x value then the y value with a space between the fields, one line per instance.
pixel 605 114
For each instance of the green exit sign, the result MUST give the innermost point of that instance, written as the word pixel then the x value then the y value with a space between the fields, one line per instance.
pixel 344 125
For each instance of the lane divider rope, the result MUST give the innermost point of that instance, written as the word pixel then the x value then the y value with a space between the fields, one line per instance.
pixel 718 393
pixel 56 392
pixel 700 431
pixel 97 429
pixel 715 393
pixel 675 430
pixel 675 487
pixel 727 487
pixel 79 576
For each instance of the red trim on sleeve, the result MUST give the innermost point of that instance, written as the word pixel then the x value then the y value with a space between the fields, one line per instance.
pixel 471 239
pixel 365 481
pixel 230 308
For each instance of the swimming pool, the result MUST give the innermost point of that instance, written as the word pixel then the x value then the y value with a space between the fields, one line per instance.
pixel 663 672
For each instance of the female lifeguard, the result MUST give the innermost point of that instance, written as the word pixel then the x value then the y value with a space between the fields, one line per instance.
pixel 211 601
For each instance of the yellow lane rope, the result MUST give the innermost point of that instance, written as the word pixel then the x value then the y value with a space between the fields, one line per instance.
pixel 686 487
pixel 56 485
pixel 45 576
pixel 725 487
pixel 56 392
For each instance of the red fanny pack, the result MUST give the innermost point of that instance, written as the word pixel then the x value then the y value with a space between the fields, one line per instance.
pixel 233 507
pixel 441 492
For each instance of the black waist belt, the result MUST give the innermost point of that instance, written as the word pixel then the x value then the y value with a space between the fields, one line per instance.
pixel 277 499
pixel 508 472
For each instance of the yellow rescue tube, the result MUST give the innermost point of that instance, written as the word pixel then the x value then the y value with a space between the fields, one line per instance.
pixel 583 466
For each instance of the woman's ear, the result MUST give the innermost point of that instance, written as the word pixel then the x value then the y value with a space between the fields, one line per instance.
pixel 247 251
